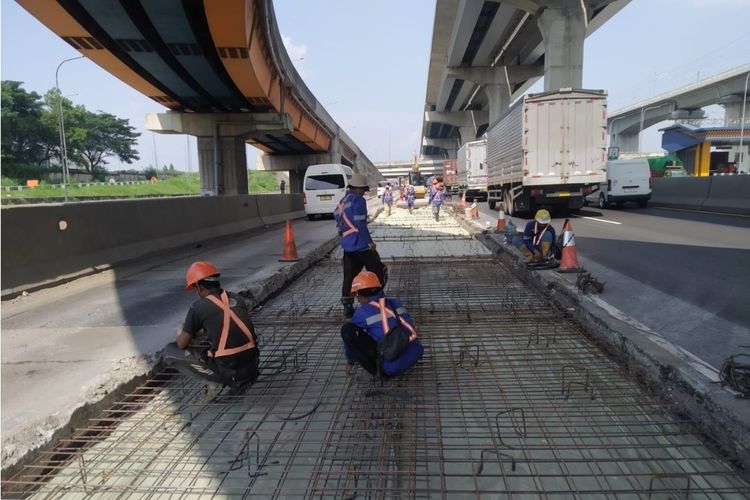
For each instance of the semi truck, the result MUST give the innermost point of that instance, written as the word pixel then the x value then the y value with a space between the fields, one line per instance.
pixel 548 150
pixel 471 169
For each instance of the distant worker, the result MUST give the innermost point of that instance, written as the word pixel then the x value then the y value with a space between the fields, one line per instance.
pixel 388 199
pixel 217 343
pixel 410 197
pixel 282 186
pixel 538 238
pixel 359 249
pixel 375 317
pixel 436 197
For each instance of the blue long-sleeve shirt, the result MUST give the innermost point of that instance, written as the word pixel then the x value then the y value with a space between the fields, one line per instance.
pixel 367 317
pixel 351 218
pixel 533 236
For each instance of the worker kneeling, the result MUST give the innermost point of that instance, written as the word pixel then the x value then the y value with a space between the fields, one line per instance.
pixel 381 335
pixel 538 238
pixel 217 344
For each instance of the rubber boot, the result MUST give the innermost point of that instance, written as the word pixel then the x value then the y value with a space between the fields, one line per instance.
pixel 546 250
pixel 527 256
pixel 348 303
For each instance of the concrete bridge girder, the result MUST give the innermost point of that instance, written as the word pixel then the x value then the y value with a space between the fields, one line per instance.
pixel 468 122
pixel 222 137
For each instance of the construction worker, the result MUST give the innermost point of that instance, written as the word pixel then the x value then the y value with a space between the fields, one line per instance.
pixel 436 197
pixel 538 238
pixel 375 317
pixel 410 196
pixel 217 343
pixel 359 249
pixel 388 199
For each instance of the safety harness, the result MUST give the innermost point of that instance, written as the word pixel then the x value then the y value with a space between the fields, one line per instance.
pixel 537 239
pixel 383 316
pixel 352 228
pixel 222 350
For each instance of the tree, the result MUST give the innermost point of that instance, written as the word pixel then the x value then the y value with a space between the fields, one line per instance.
pixel 27 137
pixel 95 137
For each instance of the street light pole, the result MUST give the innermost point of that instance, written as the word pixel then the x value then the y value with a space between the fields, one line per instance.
pixel 63 150
pixel 742 124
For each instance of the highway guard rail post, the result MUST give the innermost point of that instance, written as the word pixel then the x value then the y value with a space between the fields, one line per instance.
pixel 49 244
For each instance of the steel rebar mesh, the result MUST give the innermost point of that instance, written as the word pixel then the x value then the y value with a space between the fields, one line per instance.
pixel 510 401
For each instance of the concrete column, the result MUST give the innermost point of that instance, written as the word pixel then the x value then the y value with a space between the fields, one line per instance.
pixel 468 133
pixel 563 27
pixel 628 143
pixel 499 99
pixel 231 168
pixel 733 113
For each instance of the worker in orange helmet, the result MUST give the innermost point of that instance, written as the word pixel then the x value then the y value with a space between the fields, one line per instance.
pixel 374 318
pixel 226 354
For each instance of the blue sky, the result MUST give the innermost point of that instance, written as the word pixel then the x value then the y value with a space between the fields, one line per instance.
pixel 367 62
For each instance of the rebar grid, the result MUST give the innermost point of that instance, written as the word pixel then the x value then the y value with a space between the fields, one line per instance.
pixel 510 401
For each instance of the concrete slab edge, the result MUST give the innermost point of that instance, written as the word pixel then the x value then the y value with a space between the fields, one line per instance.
pixel 255 294
pixel 715 414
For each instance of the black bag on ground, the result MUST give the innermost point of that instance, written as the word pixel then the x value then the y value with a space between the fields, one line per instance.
pixel 395 341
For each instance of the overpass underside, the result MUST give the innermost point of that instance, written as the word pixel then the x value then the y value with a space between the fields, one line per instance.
pixel 511 399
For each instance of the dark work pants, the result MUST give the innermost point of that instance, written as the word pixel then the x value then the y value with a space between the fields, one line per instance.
pixel 353 264
pixel 191 362
pixel 360 347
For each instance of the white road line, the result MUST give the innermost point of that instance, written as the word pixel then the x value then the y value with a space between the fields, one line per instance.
pixel 600 220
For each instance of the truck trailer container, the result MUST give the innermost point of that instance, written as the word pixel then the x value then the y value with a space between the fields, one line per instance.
pixel 450 179
pixel 471 169
pixel 548 150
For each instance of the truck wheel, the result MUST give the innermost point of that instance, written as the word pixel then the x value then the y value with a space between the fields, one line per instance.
pixel 508 202
pixel 492 204
pixel 602 201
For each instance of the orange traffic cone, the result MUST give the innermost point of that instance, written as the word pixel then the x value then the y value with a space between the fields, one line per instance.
pixel 500 220
pixel 463 200
pixel 569 260
pixel 474 210
pixel 290 249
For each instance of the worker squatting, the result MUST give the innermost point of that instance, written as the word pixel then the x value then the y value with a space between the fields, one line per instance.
pixel 218 344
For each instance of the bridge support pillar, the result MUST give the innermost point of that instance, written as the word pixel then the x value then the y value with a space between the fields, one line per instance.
pixel 499 99
pixel 221 143
pixel 230 168
pixel 628 143
pixel 563 27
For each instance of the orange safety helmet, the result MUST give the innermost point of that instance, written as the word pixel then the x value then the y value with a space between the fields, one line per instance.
pixel 199 270
pixel 364 281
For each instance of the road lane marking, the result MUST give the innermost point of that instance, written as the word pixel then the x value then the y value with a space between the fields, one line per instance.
pixel 600 220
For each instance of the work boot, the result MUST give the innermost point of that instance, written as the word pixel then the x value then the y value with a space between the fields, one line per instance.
pixel 210 391
pixel 348 303
pixel 546 250
pixel 527 256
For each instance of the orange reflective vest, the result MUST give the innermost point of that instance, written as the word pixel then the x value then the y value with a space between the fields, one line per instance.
pixel 352 228
pixel 385 312
pixel 229 315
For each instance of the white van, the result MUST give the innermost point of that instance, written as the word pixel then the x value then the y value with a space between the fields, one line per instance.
pixel 381 188
pixel 627 180
pixel 324 186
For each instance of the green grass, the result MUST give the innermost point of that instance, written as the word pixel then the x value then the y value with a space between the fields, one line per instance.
pixel 181 185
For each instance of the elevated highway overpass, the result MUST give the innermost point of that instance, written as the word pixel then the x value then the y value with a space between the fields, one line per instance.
pixel 684 104
pixel 222 71
pixel 486 54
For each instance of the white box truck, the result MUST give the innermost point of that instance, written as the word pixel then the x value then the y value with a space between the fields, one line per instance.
pixel 471 169
pixel 548 150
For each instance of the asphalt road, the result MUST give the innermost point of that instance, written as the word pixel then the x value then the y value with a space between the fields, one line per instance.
pixel 683 274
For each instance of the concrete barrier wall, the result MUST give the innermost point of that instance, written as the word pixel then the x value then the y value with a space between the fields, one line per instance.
pixel 36 251
pixel 679 192
pixel 729 193
pixel 718 193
